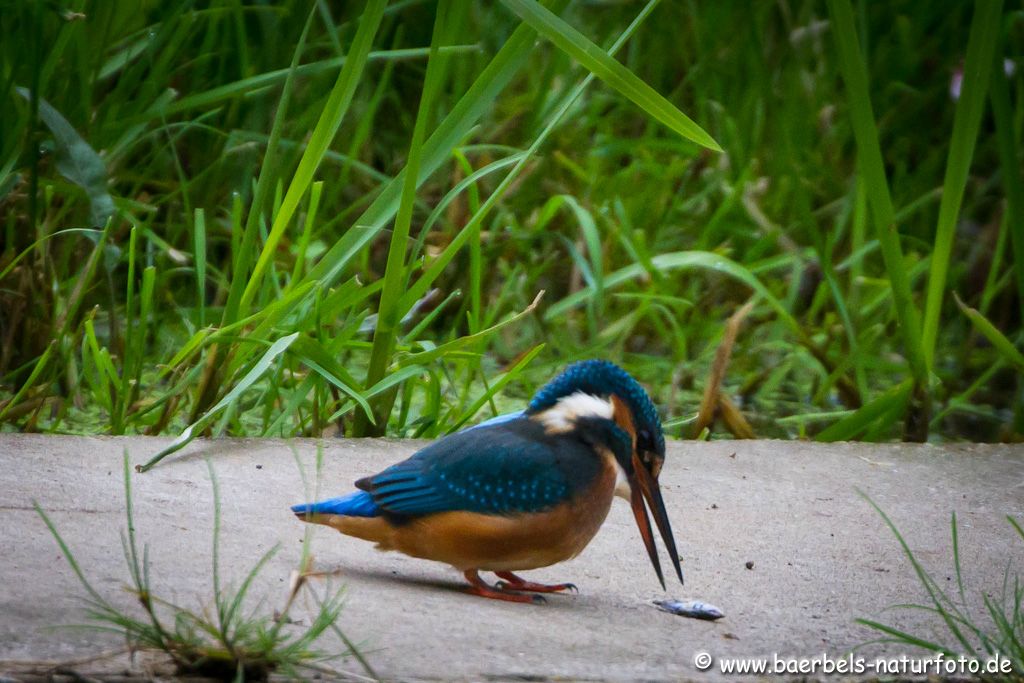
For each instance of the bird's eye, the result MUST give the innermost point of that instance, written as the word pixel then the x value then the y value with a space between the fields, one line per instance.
pixel 644 435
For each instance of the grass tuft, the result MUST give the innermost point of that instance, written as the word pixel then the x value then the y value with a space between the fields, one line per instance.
pixel 235 643
pixel 1001 632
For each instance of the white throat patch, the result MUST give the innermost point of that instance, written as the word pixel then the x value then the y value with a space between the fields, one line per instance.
pixel 622 489
pixel 562 416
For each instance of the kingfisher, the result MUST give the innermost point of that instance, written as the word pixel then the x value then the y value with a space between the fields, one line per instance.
pixel 520 491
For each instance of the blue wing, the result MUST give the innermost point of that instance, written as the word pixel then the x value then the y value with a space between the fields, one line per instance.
pixel 507 467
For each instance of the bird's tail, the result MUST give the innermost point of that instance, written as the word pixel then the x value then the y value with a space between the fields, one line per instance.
pixel 355 515
pixel 355 504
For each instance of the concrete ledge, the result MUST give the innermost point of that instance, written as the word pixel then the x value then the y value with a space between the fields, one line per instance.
pixel 821 557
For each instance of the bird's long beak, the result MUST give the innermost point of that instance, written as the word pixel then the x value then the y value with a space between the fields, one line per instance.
pixel 644 486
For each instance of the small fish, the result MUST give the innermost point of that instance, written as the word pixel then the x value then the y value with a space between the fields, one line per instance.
pixel 695 609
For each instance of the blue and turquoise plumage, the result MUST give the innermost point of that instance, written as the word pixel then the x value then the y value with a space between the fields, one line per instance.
pixel 505 468
pixel 600 378
pixel 516 492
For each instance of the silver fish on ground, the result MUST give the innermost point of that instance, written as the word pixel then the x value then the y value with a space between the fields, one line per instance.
pixel 695 609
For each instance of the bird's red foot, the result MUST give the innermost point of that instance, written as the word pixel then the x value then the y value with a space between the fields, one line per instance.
pixel 480 587
pixel 518 583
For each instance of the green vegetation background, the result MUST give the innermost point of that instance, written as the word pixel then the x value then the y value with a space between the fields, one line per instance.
pixel 298 217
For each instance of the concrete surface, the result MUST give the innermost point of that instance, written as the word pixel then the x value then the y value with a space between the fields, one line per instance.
pixel 821 557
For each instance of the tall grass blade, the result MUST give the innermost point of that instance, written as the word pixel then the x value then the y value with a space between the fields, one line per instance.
pixel 199 243
pixel 218 595
pixel 1011 173
pixel 391 380
pixel 389 312
pixel 612 72
pixel 420 287
pixel 321 361
pixel 131 330
pixel 905 637
pixel 91 232
pixel 245 248
pixel 461 187
pixel 327 126
pixel 999 340
pixel 480 97
pixel 872 169
pixel 145 314
pixel 940 602
pixel 69 556
pixel 245 86
pixel 307 230
pixel 1013 187
pixel 84 280
pixel 977 68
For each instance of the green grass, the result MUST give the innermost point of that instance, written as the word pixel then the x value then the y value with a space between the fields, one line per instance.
pixel 293 219
pixel 227 641
pixel 999 632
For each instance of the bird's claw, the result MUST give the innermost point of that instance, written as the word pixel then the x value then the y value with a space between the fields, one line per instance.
pixel 555 588
pixel 511 589
pixel 513 582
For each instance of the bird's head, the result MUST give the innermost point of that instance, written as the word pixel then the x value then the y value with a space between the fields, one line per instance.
pixel 585 390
